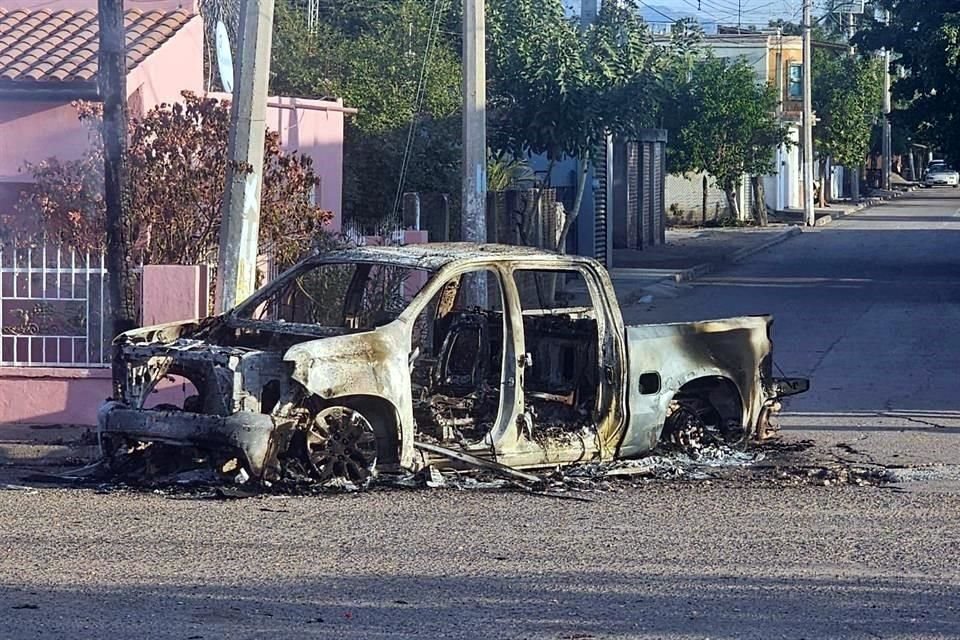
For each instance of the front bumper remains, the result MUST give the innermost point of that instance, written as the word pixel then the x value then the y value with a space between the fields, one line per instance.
pixel 251 434
pixel 782 387
pixel 777 389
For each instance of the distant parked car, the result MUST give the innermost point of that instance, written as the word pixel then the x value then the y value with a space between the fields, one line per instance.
pixel 941 175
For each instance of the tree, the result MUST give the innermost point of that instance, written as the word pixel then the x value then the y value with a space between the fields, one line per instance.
pixel 177 160
pixel 925 39
pixel 726 125
pixel 847 98
pixel 397 64
pixel 558 90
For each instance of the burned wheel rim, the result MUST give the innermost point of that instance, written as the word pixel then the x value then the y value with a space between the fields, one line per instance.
pixel 684 427
pixel 340 443
pixel 693 423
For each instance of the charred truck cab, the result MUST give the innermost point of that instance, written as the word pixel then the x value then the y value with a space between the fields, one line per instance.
pixel 370 359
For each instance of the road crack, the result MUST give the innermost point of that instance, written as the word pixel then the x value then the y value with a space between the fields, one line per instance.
pixel 914 420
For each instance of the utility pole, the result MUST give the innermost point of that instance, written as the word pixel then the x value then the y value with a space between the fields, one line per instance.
pixel 851 31
pixel 112 84
pixel 855 176
pixel 240 227
pixel 887 143
pixel 473 221
pixel 808 213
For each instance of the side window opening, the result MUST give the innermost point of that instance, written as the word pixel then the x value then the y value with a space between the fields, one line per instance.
pixel 456 362
pixel 561 377
pixel 355 296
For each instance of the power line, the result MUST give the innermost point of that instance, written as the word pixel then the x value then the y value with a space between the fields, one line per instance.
pixel 435 19
pixel 699 8
pixel 658 12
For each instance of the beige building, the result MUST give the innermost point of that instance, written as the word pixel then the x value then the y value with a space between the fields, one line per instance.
pixel 776 59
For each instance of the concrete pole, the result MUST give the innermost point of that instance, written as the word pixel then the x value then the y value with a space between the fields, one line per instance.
pixel 887 142
pixel 473 221
pixel 808 213
pixel 240 229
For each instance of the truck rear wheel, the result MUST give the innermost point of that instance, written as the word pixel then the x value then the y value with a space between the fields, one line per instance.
pixel 705 412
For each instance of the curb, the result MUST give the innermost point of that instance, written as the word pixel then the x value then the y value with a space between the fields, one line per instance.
pixel 737 256
pixel 867 203
pixel 700 270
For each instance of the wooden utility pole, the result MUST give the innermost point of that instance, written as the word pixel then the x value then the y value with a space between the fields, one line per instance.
pixel 473 221
pixel 808 213
pixel 112 83
pixel 240 227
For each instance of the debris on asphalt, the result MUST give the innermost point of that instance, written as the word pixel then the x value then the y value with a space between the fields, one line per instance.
pixel 478 463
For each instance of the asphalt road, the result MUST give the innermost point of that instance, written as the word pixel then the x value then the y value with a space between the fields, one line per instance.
pixel 866 307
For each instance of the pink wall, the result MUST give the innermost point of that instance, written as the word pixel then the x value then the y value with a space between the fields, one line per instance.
pixel 33 131
pixel 174 292
pixel 42 395
pixel 314 128
pixel 175 67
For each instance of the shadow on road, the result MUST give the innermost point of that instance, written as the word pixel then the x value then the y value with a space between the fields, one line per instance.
pixel 546 605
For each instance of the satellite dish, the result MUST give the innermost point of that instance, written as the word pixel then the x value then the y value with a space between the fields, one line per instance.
pixel 224 57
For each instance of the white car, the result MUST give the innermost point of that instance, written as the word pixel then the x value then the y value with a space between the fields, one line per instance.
pixel 941 175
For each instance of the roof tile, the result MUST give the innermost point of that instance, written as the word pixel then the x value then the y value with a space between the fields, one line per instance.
pixel 56 46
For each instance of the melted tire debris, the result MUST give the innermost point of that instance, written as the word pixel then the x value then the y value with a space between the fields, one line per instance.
pixel 179 473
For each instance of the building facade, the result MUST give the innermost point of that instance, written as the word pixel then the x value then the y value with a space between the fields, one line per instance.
pixel 778 60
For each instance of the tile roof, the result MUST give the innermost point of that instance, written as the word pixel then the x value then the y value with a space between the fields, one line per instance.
pixel 46 49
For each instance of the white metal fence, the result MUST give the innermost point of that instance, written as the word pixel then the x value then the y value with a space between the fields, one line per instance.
pixel 53 308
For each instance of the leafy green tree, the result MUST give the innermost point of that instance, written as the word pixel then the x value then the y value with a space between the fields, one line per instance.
pixel 559 90
pixel 925 38
pixel 373 60
pixel 725 125
pixel 847 98
pixel 372 55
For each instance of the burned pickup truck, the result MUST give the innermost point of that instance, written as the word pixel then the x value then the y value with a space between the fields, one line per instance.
pixel 385 358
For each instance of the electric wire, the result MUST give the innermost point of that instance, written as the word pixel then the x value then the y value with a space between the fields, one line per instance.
pixel 435 19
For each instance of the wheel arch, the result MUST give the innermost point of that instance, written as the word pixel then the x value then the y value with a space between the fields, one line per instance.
pixel 717 389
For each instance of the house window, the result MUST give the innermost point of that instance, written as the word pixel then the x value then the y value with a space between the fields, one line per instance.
pixel 795 82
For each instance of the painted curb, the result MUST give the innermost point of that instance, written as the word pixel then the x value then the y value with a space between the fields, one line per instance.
pixel 824 221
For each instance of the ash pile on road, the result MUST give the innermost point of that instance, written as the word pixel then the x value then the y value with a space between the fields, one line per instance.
pixel 180 472
pixel 192 473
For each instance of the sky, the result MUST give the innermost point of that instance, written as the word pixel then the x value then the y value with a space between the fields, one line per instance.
pixel 751 12
pixel 748 13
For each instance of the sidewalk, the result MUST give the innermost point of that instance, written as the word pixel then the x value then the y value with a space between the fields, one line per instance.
pixel 841 209
pixel 688 254
pixel 640 276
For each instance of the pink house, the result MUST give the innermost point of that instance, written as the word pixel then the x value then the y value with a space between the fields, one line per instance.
pixel 48 58
pixel 54 351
